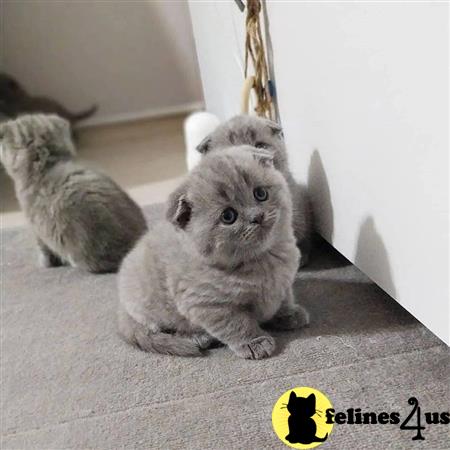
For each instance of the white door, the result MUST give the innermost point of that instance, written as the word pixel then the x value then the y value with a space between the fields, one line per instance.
pixel 363 92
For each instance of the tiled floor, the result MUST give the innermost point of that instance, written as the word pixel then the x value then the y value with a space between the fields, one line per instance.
pixel 146 157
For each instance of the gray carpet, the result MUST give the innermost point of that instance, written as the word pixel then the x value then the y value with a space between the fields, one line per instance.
pixel 68 381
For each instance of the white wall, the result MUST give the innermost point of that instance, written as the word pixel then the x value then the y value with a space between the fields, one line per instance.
pixel 132 58
pixel 363 91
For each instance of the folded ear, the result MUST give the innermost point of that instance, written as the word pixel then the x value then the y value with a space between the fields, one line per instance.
pixel 179 208
pixel 60 123
pixel 263 157
pixel 275 128
pixel 6 129
pixel 204 146
pixel 64 128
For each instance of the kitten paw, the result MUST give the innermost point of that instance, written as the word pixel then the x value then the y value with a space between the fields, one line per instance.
pixel 296 317
pixel 258 348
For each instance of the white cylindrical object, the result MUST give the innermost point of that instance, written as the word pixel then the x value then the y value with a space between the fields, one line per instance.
pixel 196 127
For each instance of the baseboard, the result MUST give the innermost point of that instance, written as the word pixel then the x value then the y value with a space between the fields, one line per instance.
pixel 137 115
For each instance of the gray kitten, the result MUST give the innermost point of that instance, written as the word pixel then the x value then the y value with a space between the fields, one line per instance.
pixel 222 265
pixel 265 134
pixel 79 216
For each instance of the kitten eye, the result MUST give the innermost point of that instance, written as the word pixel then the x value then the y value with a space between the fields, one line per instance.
pixel 228 216
pixel 261 145
pixel 260 194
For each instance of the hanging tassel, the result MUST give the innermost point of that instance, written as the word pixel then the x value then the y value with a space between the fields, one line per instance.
pixel 255 51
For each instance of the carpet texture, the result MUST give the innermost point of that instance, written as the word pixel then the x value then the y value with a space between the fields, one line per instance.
pixel 68 381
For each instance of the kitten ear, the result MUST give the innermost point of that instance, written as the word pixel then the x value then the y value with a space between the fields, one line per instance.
pixel 204 146
pixel 275 128
pixel 179 208
pixel 312 398
pixel 293 396
pixel 263 157
pixel 60 123
pixel 5 129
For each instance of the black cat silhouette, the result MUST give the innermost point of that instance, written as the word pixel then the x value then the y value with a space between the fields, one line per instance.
pixel 302 428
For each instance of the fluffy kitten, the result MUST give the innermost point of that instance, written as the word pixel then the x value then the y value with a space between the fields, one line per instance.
pixel 263 133
pixel 222 264
pixel 15 101
pixel 79 216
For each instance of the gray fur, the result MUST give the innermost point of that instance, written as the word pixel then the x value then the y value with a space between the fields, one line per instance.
pixel 193 280
pixel 250 130
pixel 79 216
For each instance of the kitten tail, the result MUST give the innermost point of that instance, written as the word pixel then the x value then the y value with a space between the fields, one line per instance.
pixel 76 117
pixel 167 344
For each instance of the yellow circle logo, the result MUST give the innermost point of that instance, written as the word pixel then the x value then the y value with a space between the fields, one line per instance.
pixel 299 418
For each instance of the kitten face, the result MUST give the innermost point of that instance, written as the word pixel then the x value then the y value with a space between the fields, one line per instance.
pixel 232 205
pixel 248 130
pixel 31 140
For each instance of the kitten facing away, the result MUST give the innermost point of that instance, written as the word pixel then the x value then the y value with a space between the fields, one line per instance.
pixel 78 215
pixel 221 265
pixel 268 135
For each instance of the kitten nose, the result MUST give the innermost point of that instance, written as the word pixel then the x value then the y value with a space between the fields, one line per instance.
pixel 257 219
